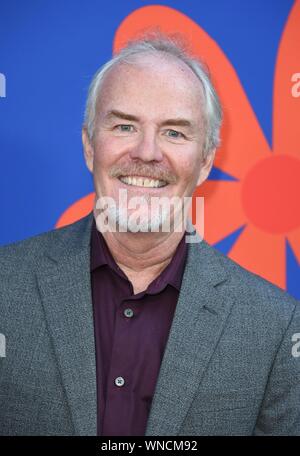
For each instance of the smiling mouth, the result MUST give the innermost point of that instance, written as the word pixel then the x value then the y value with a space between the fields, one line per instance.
pixel 139 181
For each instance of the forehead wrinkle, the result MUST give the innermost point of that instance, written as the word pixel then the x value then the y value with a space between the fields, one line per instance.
pixel 157 65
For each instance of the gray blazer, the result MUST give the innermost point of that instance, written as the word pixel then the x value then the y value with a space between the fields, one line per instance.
pixel 228 367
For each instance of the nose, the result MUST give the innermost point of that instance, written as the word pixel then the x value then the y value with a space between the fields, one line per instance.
pixel 147 149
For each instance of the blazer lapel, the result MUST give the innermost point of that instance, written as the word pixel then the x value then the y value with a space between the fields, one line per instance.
pixel 64 283
pixel 198 322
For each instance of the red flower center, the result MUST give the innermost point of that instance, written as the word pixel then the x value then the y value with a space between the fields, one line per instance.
pixel 270 194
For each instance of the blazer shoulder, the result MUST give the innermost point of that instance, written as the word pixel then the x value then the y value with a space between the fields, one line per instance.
pixel 26 252
pixel 253 290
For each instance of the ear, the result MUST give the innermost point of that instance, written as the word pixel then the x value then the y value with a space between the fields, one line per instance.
pixel 206 166
pixel 88 150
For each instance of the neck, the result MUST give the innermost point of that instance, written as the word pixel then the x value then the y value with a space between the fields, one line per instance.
pixel 142 256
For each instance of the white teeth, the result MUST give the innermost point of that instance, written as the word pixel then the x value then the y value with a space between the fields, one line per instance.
pixel 142 182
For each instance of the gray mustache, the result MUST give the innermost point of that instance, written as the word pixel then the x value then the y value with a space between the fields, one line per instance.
pixel 142 170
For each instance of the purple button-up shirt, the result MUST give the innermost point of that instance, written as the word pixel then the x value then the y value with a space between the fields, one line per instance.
pixel 131 331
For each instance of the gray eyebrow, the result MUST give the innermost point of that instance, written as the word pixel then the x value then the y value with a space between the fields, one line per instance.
pixel 181 122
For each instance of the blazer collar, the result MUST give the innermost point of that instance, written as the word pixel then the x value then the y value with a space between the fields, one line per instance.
pixel 64 283
pixel 201 314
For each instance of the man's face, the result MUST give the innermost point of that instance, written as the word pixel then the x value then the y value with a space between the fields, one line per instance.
pixel 149 133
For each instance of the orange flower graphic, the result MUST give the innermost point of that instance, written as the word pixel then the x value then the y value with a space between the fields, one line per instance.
pixel 260 202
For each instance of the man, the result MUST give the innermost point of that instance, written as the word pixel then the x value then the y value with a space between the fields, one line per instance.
pixel 133 330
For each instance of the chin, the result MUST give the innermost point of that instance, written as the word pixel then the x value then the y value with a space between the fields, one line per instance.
pixel 133 223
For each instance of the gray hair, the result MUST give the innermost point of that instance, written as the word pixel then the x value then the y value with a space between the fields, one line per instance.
pixel 169 47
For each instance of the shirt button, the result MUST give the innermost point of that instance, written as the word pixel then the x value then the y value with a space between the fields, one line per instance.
pixel 128 313
pixel 119 381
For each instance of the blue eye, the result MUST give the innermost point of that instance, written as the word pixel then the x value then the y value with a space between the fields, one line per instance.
pixel 124 127
pixel 174 134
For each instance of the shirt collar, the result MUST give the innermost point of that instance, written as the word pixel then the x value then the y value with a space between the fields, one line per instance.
pixel 172 274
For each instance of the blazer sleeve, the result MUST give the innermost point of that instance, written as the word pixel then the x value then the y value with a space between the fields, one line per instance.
pixel 280 410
